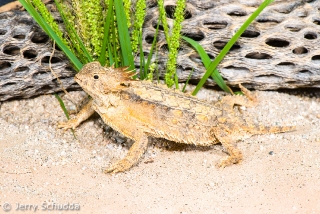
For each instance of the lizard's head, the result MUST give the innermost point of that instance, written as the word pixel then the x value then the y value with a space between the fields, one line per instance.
pixel 95 79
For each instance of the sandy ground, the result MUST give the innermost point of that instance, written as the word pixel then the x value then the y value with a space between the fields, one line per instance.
pixel 46 167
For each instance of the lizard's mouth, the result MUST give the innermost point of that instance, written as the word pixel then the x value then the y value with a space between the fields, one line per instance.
pixel 77 79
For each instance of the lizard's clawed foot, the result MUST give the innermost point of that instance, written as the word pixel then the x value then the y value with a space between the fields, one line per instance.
pixel 234 159
pixel 119 166
pixel 70 124
pixel 252 99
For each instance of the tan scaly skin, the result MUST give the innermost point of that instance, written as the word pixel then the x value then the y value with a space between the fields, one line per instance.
pixel 139 109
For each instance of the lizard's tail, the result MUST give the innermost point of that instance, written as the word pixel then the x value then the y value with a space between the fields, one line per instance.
pixel 260 129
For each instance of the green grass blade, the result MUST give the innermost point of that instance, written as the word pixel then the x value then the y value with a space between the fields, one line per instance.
pixel 204 56
pixel 227 47
pixel 65 111
pixel 176 81
pixel 154 43
pixel 73 39
pixel 206 61
pixel 109 19
pixel 111 61
pixel 62 106
pixel 73 34
pixel 116 57
pixel 28 6
pixel 187 81
pixel 124 36
pixel 78 65
pixel 143 68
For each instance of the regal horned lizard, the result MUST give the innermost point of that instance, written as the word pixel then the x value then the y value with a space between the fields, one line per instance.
pixel 139 109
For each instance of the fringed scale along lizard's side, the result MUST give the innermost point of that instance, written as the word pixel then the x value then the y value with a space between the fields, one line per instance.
pixel 139 109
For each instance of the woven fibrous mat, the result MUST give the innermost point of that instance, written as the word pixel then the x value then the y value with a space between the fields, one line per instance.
pixel 280 49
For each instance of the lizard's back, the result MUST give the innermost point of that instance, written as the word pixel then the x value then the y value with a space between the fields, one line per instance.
pixel 161 112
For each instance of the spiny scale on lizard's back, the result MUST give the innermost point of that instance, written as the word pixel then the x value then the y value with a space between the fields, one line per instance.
pixel 173 99
pixel 150 106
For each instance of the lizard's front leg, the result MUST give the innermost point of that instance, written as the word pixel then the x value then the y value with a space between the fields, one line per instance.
pixel 135 152
pixel 84 114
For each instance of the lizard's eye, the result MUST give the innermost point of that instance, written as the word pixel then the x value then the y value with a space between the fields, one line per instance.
pixel 96 77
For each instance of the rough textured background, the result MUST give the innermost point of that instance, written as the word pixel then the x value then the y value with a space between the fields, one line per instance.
pixel 279 50
pixel 25 51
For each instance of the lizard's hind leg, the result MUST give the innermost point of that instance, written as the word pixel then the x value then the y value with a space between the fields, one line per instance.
pixel 252 99
pixel 223 136
pixel 249 100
